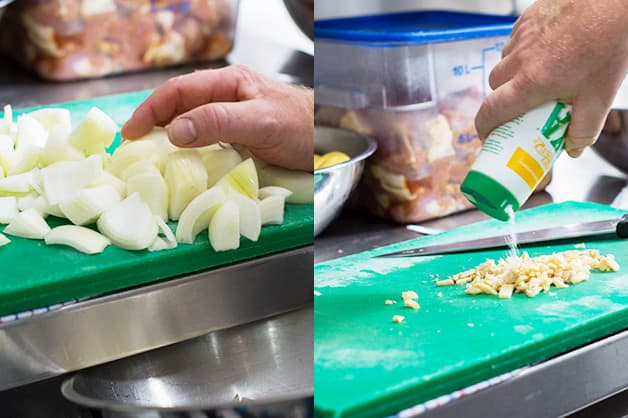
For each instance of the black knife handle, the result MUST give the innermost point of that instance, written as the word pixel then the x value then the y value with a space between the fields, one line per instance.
pixel 622 227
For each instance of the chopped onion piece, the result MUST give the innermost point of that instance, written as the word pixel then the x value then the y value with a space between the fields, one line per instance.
pixel 51 117
pixel 139 167
pixel 4 240
pixel 86 206
pixel 129 224
pixel 272 209
pixel 20 183
pixel 94 133
pixel 300 183
pixel 28 224
pixel 6 124
pixel 153 190
pixel 197 215
pixel 224 228
pixel 108 178
pixel 58 147
pixel 242 179
pixel 30 133
pixel 80 238
pixel 219 162
pixel 186 178
pixel 250 219
pixel 25 159
pixel 168 241
pixel 268 191
pixel 132 152
pixel 8 209
pixel 63 180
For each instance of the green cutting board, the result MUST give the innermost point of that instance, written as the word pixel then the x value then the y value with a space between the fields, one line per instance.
pixel 368 366
pixel 34 275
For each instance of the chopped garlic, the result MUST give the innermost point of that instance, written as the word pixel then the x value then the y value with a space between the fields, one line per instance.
pixel 446 282
pixel 398 318
pixel 581 245
pixel 409 294
pixel 532 275
pixel 412 304
pixel 389 302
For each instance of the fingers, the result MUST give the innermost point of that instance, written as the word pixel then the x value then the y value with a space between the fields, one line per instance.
pixel 242 122
pixel 587 121
pixel 186 92
pixel 511 99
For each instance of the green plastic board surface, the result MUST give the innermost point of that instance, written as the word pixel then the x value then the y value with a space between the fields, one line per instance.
pixel 34 275
pixel 368 366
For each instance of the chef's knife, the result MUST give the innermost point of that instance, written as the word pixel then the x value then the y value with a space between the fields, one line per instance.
pixel 615 226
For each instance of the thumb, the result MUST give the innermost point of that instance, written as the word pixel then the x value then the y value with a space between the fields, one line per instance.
pixel 587 120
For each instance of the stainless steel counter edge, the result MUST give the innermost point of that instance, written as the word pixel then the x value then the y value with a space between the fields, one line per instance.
pixel 556 387
pixel 119 325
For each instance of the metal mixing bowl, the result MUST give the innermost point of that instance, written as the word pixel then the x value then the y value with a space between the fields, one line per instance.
pixel 257 370
pixel 4 3
pixel 612 144
pixel 302 12
pixel 333 185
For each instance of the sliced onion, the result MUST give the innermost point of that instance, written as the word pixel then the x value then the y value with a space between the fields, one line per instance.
pixel 153 190
pixel 28 224
pixel 139 167
pixel 224 228
pixel 300 183
pixel 108 178
pixel 250 218
pixel 8 209
pixel 58 147
pixel 33 201
pixel 272 209
pixel 21 183
pixel 94 133
pixel 268 191
pixel 129 224
pixel 242 179
pixel 166 239
pixel 86 206
pixel 197 215
pixel 132 152
pixel 30 133
pixel 4 240
pixel 219 162
pixel 6 123
pixel 186 178
pixel 63 180
pixel 80 238
pixel 25 159
pixel 51 117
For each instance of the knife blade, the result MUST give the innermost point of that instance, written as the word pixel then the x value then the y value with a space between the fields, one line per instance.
pixel 615 226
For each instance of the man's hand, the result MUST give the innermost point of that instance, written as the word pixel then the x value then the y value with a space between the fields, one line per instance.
pixel 573 51
pixel 237 105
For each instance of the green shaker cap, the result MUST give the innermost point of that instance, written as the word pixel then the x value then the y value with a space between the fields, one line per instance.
pixel 488 195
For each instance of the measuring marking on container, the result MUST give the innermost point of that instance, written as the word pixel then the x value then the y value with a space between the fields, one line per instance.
pixel 462 70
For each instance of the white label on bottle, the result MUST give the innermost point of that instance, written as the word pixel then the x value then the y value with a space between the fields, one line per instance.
pixel 519 153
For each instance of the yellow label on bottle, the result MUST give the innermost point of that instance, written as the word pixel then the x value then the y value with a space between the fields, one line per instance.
pixel 526 167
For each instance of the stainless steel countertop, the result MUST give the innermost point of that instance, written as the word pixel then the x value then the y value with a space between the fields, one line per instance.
pixel 562 385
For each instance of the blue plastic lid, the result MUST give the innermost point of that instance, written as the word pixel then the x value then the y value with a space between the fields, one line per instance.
pixel 414 27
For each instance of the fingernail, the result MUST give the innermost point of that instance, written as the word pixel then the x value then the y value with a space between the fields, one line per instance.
pixel 182 132
pixel 576 152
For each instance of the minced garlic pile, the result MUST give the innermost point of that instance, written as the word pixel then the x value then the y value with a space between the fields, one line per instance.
pixel 532 275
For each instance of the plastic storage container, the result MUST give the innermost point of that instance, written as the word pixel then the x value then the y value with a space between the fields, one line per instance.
pixel 72 39
pixel 413 82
